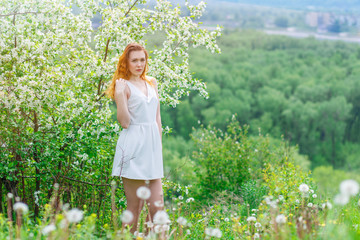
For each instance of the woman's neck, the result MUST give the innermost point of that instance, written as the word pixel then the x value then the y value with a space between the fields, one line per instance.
pixel 135 78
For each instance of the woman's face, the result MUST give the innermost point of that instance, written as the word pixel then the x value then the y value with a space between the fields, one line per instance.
pixel 137 62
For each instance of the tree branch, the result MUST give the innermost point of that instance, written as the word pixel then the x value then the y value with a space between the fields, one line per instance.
pixel 11 14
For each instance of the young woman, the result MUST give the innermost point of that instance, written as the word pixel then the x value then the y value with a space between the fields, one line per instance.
pixel 138 156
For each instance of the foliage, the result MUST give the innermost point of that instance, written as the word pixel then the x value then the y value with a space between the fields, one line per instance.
pixel 285 180
pixel 252 193
pixel 225 161
pixel 328 179
pixel 222 158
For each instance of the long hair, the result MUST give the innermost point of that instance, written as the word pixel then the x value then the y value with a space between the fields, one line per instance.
pixel 122 70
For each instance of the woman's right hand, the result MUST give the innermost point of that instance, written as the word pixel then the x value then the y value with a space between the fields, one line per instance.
pixel 120 86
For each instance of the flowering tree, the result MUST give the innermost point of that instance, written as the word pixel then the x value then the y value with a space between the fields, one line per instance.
pixel 55 123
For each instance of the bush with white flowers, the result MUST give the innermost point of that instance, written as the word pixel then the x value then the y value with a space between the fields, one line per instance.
pixel 54 67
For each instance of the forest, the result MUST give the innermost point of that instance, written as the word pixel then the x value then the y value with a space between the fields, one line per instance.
pixel 307 91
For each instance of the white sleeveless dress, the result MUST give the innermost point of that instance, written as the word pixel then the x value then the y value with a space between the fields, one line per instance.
pixel 139 150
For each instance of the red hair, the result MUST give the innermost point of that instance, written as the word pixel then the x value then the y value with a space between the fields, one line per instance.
pixel 122 70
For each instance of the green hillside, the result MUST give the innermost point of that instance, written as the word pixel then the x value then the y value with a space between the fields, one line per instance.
pixel 304 89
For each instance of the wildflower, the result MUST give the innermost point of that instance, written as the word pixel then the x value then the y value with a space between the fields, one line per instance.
pixel 161 217
pixel 304 188
pixel 127 217
pixel 349 187
pixel 188 232
pixel 10 195
pixel 314 196
pixel 48 229
pixel 341 199
pixel 143 193
pixel 310 205
pixel 181 197
pixel 251 219
pixel 311 191
pixel 256 235
pixel 74 215
pixel 281 197
pixel 19 206
pixel 189 200
pixel 182 221
pixel 297 201
pixel 257 225
pixel 280 219
pixel 226 219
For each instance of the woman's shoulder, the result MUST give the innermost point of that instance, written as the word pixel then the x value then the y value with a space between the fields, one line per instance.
pixel 152 80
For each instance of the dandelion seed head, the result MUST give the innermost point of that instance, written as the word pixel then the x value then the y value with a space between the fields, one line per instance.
pixel 158 204
pixel 251 219
pixel 280 219
pixel 257 225
pixel 349 187
pixel 310 205
pixel 161 218
pixel 304 188
pixel 182 221
pixel 341 199
pixel 10 195
pixel 143 193
pixel 48 229
pixel 74 215
pixel 22 207
pixel 127 217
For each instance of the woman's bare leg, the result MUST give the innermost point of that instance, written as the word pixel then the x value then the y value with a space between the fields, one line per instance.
pixel 134 204
pixel 156 197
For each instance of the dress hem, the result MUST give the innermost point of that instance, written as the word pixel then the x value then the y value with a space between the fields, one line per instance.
pixel 152 178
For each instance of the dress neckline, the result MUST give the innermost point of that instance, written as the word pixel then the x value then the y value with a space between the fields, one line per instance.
pixel 147 89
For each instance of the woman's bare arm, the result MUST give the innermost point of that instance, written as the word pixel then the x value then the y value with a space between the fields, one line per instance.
pixel 122 93
pixel 158 116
